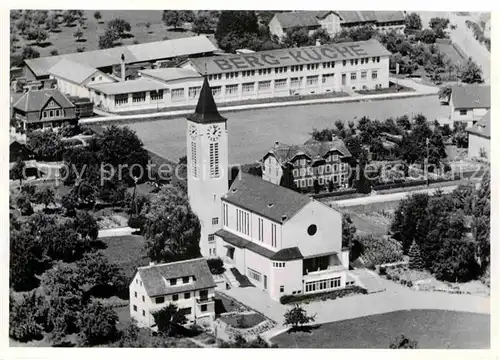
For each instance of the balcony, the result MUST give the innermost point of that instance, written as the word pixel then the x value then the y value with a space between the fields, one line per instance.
pixel 204 300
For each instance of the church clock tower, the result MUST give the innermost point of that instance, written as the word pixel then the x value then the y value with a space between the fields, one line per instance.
pixel 207 161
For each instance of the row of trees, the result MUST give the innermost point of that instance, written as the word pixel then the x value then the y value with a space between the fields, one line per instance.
pixel 451 231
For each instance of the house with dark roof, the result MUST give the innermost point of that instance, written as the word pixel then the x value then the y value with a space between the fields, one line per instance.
pixel 479 138
pixel 469 103
pixel 382 21
pixel 38 109
pixel 306 19
pixel 188 284
pixel 334 21
pixel 307 164
pixel 284 242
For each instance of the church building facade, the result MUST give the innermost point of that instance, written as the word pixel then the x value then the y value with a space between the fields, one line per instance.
pixel 284 242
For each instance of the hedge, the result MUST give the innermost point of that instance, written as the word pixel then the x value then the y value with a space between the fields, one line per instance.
pixel 290 299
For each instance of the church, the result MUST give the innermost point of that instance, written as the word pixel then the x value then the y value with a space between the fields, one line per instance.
pixel 286 243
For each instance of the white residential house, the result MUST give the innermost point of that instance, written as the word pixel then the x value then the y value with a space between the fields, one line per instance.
pixel 479 138
pixel 284 242
pixel 74 78
pixel 187 284
pixel 469 103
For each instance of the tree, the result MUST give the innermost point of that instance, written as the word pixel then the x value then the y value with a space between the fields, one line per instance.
pixel 177 18
pixel 107 40
pixel 287 178
pixel 297 37
pixel 24 205
pixel 348 230
pixel 119 26
pixel 402 342
pixel 481 220
pixel 78 34
pixel 297 316
pixel 52 23
pixel 428 36
pixel 97 324
pixel 168 319
pixel 97 16
pixel 455 261
pixel 471 73
pixel 172 230
pixel 204 23
pixel 69 16
pixel 316 186
pixel 26 318
pixel 23 259
pixel 86 225
pixel 98 272
pixel 147 25
pixel 47 145
pixel 29 191
pixel 413 23
pixel 29 53
pixel 121 146
pixel 18 171
pixel 415 257
pixel 445 93
pixel 54 52
pixel 436 23
pixel 237 23
pixel 45 196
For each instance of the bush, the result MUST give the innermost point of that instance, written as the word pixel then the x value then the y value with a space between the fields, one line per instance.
pixel 382 270
pixel 137 222
pixel 409 283
pixel 395 278
pixel 381 250
pixel 388 277
pixel 330 295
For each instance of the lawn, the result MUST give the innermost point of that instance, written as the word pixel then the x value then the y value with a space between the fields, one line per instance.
pixel 432 329
pixel 127 252
pixel 251 132
pixel 65 42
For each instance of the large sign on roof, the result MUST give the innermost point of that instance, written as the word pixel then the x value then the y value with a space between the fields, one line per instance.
pixel 288 57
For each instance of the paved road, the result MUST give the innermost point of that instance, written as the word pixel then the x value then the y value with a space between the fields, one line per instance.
pixel 115 232
pixel 388 197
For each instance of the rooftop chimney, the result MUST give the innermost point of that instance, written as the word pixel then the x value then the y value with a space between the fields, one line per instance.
pixel 122 70
pixel 318 43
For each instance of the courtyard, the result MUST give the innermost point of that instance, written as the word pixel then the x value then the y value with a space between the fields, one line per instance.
pixel 433 329
pixel 254 131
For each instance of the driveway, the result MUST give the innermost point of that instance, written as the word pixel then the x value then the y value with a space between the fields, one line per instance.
pixel 396 297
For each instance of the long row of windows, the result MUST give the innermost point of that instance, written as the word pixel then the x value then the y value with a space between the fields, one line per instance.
pixel 292 68
pixel 243 222
pixel 279 264
pixel 319 170
pixel 323 284
pixel 322 180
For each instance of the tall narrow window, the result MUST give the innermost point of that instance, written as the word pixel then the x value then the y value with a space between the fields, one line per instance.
pixel 225 215
pixel 194 159
pixel 273 235
pixel 214 160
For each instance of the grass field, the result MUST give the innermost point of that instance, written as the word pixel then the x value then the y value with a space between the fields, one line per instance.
pixel 128 252
pixel 451 52
pixel 432 329
pixel 65 42
pixel 249 320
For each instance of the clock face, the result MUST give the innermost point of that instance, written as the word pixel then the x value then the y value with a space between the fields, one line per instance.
pixel 214 132
pixel 193 132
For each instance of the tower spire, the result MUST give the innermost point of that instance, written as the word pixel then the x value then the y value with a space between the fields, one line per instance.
pixel 206 110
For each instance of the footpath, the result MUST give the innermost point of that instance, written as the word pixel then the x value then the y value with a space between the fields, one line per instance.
pixel 420 90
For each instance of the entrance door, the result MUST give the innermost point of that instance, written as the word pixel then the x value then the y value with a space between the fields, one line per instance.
pixel 344 79
pixel 265 282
